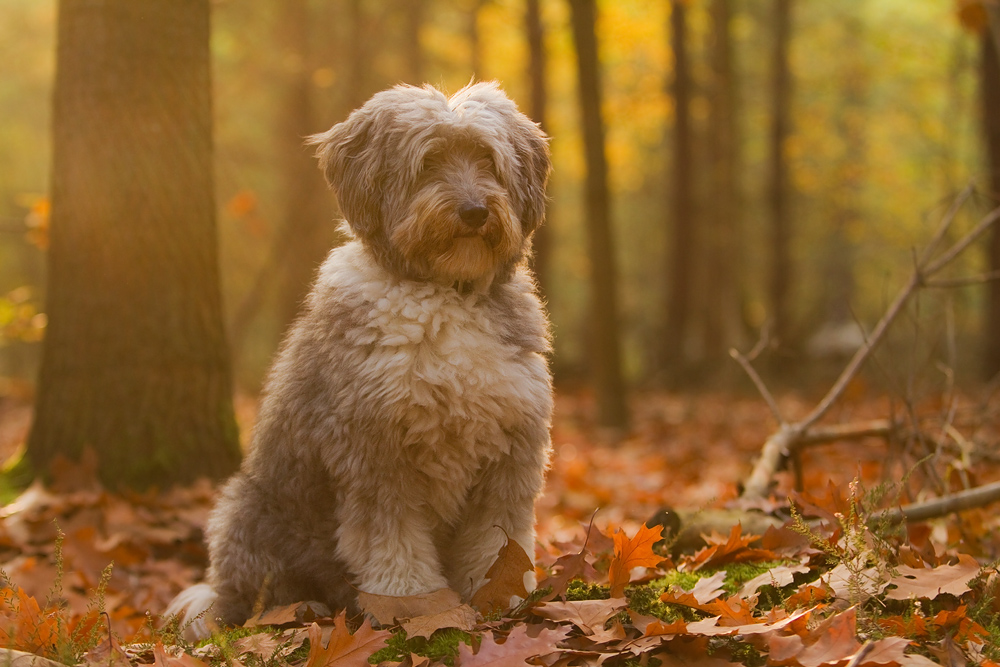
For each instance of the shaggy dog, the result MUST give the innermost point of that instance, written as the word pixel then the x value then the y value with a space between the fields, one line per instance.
pixel 404 428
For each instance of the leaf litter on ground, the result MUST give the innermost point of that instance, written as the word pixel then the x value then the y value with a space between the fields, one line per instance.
pixel 783 597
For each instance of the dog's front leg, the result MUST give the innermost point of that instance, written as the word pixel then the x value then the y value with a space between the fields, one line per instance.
pixel 385 540
pixel 499 507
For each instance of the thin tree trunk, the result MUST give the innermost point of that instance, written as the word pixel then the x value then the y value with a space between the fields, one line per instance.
pixel 682 240
pixel 308 228
pixel 990 95
pixel 538 100
pixel 723 323
pixel 135 363
pixel 413 49
pixel 781 232
pixel 605 353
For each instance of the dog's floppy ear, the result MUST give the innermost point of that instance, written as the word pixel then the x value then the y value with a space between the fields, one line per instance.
pixel 532 149
pixel 353 168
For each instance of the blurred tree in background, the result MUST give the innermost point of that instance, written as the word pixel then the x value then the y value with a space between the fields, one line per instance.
pixel 801 209
pixel 135 363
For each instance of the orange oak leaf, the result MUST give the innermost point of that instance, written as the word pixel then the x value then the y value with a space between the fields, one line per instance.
pixel 505 579
pixel 734 549
pixel 631 553
pixel 344 649
pixel 832 641
pixel 24 625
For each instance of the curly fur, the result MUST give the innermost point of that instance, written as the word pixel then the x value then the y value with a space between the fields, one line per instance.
pixel 406 416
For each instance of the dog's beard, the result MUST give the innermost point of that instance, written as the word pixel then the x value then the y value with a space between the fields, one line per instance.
pixel 434 237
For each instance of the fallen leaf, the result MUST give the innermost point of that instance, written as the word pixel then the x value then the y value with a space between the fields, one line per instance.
pixel 779 576
pixel 709 588
pixel 734 549
pixel 462 617
pixel 181 659
pixel 344 649
pixel 588 615
pixel 515 650
pixel 505 579
pixel 631 553
pixel 930 582
pixel 568 567
pixel 297 612
pixel 387 609
pixel 108 653
pixel 832 641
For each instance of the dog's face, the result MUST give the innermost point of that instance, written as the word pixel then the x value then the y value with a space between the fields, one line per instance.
pixel 439 189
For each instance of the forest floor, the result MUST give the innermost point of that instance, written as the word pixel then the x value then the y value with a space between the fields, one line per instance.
pixel 831 590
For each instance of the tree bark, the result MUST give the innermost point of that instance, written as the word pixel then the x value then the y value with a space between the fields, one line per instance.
pixel 308 230
pixel 722 256
pixel 605 352
pixel 135 363
pixel 535 32
pixel 683 240
pixel 781 262
pixel 990 96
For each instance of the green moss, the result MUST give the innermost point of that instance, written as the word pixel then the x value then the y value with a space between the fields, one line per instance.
pixel 443 646
pixel 580 590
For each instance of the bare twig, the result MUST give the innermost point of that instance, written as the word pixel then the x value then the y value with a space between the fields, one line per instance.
pixel 931 509
pixel 877 428
pixel 791 435
pixel 949 283
pixel 743 361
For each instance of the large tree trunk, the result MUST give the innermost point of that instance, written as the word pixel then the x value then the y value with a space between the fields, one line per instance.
pixel 781 261
pixel 682 240
pixel 539 93
pixel 135 363
pixel 605 353
pixel 990 94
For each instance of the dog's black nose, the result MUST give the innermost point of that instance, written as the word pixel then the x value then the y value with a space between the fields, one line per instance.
pixel 474 215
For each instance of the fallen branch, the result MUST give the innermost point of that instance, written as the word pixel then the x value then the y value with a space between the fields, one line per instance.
pixel 791 436
pixel 931 509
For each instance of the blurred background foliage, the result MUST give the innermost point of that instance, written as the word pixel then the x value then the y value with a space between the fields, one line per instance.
pixel 885 131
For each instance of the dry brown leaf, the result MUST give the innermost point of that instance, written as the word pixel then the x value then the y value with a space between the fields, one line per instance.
pixel 505 579
pixel 387 609
pixel 570 566
pixel 108 653
pixel 344 649
pixel 462 617
pixel 298 612
pixel 930 582
pixel 588 615
pixel 181 659
pixel 516 649
pixel 779 576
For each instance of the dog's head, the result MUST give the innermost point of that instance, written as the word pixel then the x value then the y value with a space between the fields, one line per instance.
pixel 439 189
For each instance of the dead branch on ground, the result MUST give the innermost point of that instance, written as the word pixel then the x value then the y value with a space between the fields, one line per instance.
pixel 793 435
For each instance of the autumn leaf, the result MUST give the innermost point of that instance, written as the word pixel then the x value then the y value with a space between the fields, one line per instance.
pixel 164 659
pixel 462 617
pixel 631 553
pixel 344 649
pixel 505 579
pixel 568 567
pixel 387 609
pixel 734 549
pixel 106 654
pixel 779 576
pixel 588 615
pixel 23 624
pixel 515 650
pixel 832 641
pixel 931 582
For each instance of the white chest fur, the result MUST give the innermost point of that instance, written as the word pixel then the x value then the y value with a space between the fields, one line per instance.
pixel 437 365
